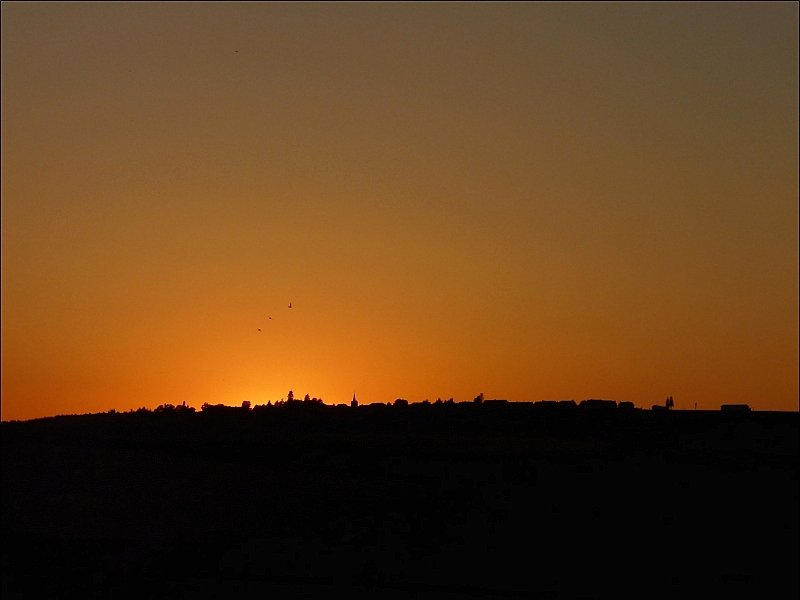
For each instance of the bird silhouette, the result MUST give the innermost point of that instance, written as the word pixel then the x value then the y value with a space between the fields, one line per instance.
pixel 290 305
pixel 259 328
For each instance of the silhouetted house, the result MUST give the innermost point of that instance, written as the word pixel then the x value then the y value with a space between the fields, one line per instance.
pixel 659 408
pixel 625 405
pixel 598 405
pixel 546 404
pixel 219 409
pixel 735 408
pixel 401 402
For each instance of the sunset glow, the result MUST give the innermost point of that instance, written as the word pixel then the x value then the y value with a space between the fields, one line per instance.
pixel 529 200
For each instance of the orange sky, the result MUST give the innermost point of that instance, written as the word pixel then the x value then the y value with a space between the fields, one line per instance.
pixel 533 201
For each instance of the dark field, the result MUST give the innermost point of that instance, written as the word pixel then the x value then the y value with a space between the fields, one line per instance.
pixel 451 501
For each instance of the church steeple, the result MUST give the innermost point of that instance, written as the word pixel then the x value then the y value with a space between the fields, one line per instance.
pixel 354 402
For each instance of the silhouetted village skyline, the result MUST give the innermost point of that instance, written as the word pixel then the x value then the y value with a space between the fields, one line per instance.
pixel 424 500
pixel 586 406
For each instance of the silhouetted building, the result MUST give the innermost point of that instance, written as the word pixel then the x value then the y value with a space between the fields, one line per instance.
pixel 625 405
pixel 567 404
pixel 546 404
pixel 598 405
pixel 354 402
pixel 735 408
pixel 401 402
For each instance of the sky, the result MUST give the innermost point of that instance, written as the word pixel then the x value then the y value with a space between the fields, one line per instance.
pixel 527 200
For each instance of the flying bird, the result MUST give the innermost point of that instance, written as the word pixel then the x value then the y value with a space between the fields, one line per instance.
pixel 290 305
pixel 259 328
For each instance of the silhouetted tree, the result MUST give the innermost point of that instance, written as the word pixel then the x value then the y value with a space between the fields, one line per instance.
pixel 478 399
pixel 246 404
pixel 306 398
pixel 290 396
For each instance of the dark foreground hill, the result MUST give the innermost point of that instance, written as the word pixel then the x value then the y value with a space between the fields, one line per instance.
pixel 456 501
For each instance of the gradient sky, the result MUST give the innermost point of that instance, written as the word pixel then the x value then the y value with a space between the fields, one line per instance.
pixel 533 201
